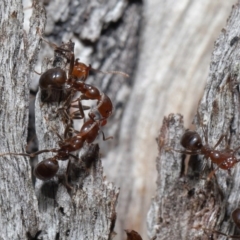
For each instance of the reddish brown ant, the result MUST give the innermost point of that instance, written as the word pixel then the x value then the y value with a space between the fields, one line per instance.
pixel 236 219
pixel 56 78
pixel 48 168
pixel 77 75
pixel 192 142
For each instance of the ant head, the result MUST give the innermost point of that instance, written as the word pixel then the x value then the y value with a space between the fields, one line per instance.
pixel 80 70
pixel 236 217
pixel 46 169
pixel 191 141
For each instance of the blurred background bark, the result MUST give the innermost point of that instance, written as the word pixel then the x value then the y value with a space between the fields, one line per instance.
pixel 165 47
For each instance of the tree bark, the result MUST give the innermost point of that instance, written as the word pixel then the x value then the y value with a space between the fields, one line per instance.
pixel 20 216
pixel 186 203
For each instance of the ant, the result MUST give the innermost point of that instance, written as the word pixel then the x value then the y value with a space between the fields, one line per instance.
pixel 193 144
pixel 236 219
pixel 48 168
pixel 77 75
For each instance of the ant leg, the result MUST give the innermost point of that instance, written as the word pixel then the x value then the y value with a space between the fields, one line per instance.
pixel 67 185
pixel 76 158
pixel 220 140
pixel 104 138
pixel 214 170
pixel 37 72
pixel 68 131
pixel 31 155
pixel 80 110
pixel 67 103
pixel 183 151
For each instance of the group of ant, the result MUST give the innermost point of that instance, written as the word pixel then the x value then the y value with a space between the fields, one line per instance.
pixel 74 81
pixel 224 159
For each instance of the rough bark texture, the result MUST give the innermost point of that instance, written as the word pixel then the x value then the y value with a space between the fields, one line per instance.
pixel 185 203
pixel 19 211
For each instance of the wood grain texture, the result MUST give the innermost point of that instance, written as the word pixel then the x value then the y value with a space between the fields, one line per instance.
pixel 184 204
pixel 19 212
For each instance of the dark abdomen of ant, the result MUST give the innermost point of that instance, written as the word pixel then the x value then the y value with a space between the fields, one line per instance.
pixel 53 78
pixel 46 169
pixel 191 141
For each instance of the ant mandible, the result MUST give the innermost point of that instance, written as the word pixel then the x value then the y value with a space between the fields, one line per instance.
pixel 236 219
pixel 193 144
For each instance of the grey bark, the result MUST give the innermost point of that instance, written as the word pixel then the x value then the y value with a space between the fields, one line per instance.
pixel 19 209
pixel 186 203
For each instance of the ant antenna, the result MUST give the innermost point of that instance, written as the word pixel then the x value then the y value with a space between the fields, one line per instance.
pixel 111 72
pixel 53 45
pixel 104 72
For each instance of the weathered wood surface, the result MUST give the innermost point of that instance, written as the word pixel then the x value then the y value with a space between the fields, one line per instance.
pixel 183 203
pixel 19 213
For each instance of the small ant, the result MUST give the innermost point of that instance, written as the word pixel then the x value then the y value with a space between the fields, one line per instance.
pixel 77 75
pixel 48 168
pixel 236 219
pixel 193 145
